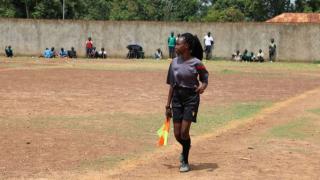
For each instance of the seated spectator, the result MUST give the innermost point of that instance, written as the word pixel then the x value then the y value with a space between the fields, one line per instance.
pixel 63 53
pixel 252 57
pixel 236 56
pixel 9 51
pixel 94 53
pixel 47 53
pixel 102 53
pixel 158 54
pixel 260 57
pixel 54 53
pixel 72 53
pixel 245 56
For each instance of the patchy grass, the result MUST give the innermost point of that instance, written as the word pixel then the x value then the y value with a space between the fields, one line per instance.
pixel 229 71
pixel 298 129
pixel 216 117
pixel 315 111
pixel 223 67
pixel 139 129
pixel 106 162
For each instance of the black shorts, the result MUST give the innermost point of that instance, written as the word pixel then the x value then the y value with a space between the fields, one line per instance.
pixel 208 49
pixel 185 104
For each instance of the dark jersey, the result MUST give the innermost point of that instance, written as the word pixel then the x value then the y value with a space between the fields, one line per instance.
pixel 185 74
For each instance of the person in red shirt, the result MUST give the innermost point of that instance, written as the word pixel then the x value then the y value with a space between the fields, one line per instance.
pixel 89 46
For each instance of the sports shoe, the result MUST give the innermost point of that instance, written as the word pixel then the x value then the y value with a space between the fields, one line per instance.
pixel 184 167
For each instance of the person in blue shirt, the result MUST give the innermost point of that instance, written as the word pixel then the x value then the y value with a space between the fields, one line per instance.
pixel 47 53
pixel 63 53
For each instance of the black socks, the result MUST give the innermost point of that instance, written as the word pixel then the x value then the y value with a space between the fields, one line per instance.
pixel 185 150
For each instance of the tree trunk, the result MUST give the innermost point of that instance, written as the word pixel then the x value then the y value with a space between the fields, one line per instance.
pixel 27 11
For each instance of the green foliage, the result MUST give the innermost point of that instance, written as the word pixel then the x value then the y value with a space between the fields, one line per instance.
pixel 228 15
pixel 7 9
pixel 48 9
pixel 249 10
pixel 156 10
pixel 307 5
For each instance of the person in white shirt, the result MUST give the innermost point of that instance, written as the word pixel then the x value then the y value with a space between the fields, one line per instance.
pixel 236 56
pixel 158 54
pixel 102 53
pixel 260 55
pixel 208 42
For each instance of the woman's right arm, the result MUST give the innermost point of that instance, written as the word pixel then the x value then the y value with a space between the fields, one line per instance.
pixel 170 82
pixel 168 107
pixel 169 96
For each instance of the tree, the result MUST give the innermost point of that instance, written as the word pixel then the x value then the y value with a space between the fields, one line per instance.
pixel 228 15
pixel 7 9
pixel 159 10
pixel 48 9
pixel 307 6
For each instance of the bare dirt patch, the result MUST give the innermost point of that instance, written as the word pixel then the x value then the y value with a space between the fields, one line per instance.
pixel 243 152
pixel 38 99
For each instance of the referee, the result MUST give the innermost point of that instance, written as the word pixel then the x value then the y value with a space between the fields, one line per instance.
pixel 185 89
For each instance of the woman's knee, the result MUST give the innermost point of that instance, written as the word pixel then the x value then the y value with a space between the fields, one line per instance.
pixel 184 134
pixel 177 135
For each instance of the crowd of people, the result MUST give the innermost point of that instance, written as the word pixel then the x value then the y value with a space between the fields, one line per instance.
pixel 247 56
pixel 208 44
pixel 92 52
pixel 52 53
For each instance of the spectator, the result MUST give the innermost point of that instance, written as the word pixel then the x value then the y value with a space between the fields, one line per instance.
pixel 9 51
pixel 94 53
pixel 208 42
pixel 102 53
pixel 178 35
pixel 47 53
pixel 252 57
pixel 72 53
pixel 236 56
pixel 54 53
pixel 272 51
pixel 171 45
pixel 89 46
pixel 63 53
pixel 245 56
pixel 158 54
pixel 260 55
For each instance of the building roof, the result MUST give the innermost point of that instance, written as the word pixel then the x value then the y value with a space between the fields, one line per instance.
pixel 296 18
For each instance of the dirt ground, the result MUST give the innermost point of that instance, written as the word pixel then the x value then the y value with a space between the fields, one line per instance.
pixel 241 151
pixel 30 90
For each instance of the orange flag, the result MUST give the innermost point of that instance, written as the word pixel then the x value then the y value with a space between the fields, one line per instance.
pixel 163 133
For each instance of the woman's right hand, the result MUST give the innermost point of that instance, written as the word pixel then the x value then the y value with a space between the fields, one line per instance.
pixel 168 112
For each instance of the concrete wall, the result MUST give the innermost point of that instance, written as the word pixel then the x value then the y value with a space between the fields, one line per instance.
pixel 296 42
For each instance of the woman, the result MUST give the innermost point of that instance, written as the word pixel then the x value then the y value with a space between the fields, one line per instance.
pixel 183 98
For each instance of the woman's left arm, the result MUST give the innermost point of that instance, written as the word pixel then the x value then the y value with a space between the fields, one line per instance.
pixel 203 76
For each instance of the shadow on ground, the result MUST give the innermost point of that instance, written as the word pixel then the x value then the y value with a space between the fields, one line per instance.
pixel 209 167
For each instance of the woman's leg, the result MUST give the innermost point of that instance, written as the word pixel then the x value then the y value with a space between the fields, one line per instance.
pixel 177 131
pixel 185 139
